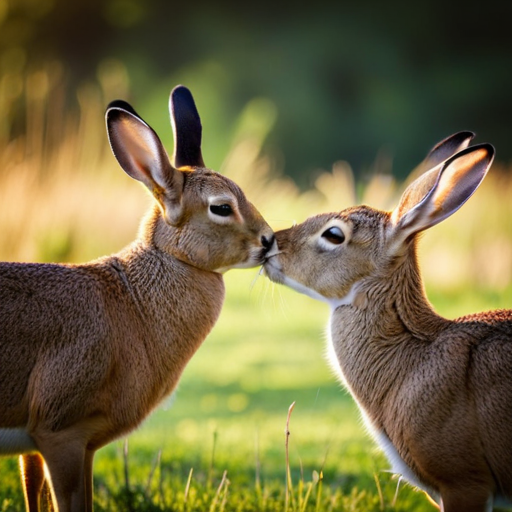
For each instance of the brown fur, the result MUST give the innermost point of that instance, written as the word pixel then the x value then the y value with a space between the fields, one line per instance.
pixel 435 392
pixel 88 351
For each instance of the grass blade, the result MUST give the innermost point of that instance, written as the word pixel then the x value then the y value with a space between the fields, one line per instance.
pixel 187 488
pixel 215 500
pixel 289 487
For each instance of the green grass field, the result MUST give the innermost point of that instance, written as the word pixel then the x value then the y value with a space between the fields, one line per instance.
pixel 218 444
pixel 228 417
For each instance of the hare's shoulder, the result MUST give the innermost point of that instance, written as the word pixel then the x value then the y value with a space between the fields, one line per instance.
pixel 44 298
pixel 485 333
pixel 490 317
pixel 498 320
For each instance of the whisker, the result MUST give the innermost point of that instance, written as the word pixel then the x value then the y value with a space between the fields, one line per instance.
pixel 255 280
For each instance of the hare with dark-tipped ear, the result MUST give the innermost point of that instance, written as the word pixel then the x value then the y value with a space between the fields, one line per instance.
pixel 435 393
pixel 88 351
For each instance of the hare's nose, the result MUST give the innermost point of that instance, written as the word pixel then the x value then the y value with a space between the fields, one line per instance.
pixel 267 241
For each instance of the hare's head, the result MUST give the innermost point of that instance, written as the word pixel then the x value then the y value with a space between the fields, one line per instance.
pixel 325 256
pixel 204 218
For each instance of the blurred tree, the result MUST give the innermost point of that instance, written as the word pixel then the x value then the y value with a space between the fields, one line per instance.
pixel 348 79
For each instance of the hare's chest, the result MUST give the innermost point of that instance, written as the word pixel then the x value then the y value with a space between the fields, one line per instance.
pixel 398 465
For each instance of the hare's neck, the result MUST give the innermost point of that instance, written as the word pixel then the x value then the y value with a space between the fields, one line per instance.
pixel 155 232
pixel 384 334
pixel 407 297
pixel 182 302
pixel 177 305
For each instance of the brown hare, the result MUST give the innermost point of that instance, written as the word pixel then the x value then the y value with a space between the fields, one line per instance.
pixel 433 391
pixel 88 351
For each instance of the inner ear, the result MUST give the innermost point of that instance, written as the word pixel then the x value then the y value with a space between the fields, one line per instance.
pixel 439 193
pixel 141 154
pixel 415 193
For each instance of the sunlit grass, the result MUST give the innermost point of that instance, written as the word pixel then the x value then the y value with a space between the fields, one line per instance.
pixel 69 201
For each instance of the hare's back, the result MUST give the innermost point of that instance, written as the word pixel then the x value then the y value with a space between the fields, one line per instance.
pixel 489 368
pixel 44 307
pixel 37 299
pixel 490 384
pixel 51 316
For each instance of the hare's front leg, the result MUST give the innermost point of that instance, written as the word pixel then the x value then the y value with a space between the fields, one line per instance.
pixel 68 461
pixel 32 479
pixel 469 499
pixel 89 494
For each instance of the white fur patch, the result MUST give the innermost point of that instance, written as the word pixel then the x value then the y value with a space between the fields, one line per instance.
pixel 348 300
pixel 299 287
pixel 14 441
pixel 333 303
pixel 332 357
pixel 398 466
pixel 498 501
pixel 253 261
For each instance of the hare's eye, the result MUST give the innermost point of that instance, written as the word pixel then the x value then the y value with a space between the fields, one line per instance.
pixel 334 235
pixel 223 210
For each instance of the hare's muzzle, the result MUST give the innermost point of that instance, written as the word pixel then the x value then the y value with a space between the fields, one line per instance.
pixel 263 244
pixel 267 242
pixel 272 266
pixel 269 246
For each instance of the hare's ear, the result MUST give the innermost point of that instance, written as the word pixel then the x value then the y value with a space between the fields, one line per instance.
pixel 447 148
pixel 440 192
pixel 441 152
pixel 142 156
pixel 186 127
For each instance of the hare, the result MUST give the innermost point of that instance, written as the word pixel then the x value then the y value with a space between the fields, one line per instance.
pixel 435 393
pixel 88 351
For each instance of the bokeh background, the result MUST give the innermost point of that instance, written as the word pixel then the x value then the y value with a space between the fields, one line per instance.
pixel 340 80
pixel 310 108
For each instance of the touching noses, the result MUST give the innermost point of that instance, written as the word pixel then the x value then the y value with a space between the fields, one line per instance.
pixel 267 241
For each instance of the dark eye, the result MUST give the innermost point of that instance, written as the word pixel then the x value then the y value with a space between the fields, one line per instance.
pixel 334 235
pixel 224 210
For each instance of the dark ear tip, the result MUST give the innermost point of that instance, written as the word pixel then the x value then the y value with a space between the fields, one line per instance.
pixel 491 150
pixel 466 134
pixel 488 148
pixel 118 105
pixel 179 88
pixel 181 97
pixel 457 138
pixel 181 92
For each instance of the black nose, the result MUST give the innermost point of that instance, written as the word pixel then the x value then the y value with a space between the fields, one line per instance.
pixel 267 241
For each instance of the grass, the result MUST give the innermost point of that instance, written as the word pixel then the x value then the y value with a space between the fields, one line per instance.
pixel 229 415
pixel 219 443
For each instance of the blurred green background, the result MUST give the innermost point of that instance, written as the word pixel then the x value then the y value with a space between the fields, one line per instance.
pixel 372 82
pixel 310 109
